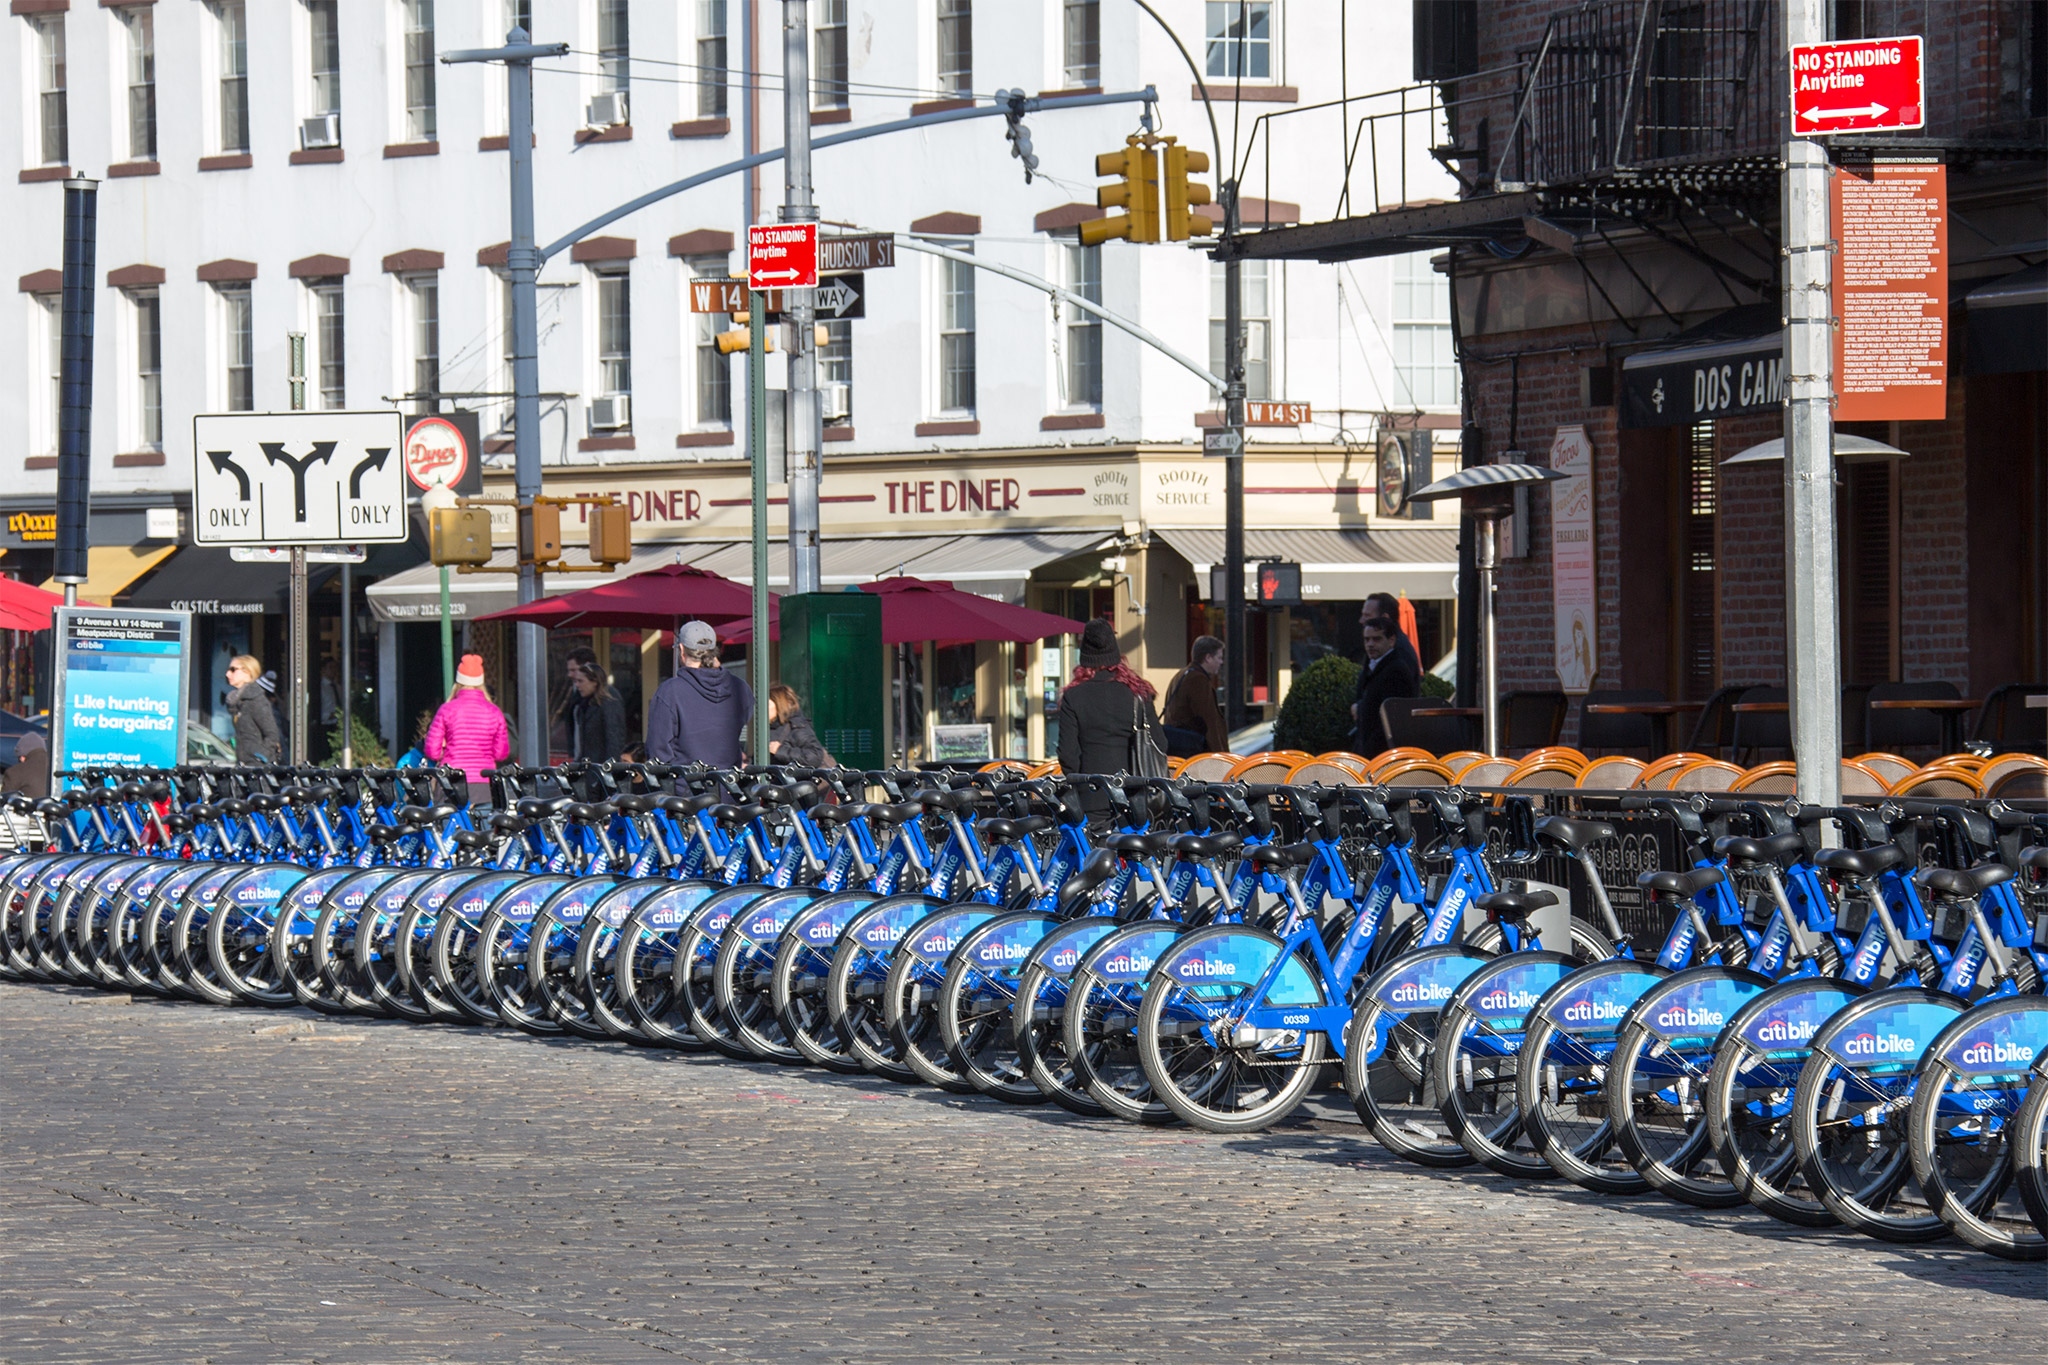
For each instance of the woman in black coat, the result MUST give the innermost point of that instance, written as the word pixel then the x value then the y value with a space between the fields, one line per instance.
pixel 791 737
pixel 257 739
pixel 596 711
pixel 1102 708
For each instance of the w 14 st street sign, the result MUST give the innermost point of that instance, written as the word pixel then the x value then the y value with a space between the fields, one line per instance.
pixel 298 478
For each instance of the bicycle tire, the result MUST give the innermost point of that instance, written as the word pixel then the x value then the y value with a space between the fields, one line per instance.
pixel 594 971
pixel 1861 1166
pixel 1656 1081
pixel 238 934
pixel 743 974
pixel 1749 1095
pixel 860 969
pixel 696 964
pixel 1565 1054
pixel 451 953
pixel 384 944
pixel 803 961
pixel 1477 1056
pixel 465 901
pixel 337 935
pixel 189 967
pixel 910 995
pixel 1101 1016
pixel 139 962
pixel 2030 1151
pixel 500 955
pixel 90 921
pixel 551 942
pixel 643 970
pixel 296 931
pixel 1963 1124
pixel 978 998
pixel 1387 1049
pixel 1038 1019
pixel 1231 1087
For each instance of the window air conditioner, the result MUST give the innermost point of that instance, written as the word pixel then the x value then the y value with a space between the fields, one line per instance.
pixel 835 402
pixel 323 131
pixel 607 110
pixel 611 413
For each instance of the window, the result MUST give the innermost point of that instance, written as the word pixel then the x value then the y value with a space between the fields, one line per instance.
pixel 1239 40
pixel 956 46
pixel 1694 549
pixel 237 348
pixel 614 52
pixel 149 366
pixel 55 122
pixel 140 21
pixel 1258 328
pixel 329 351
pixel 711 71
pixel 519 14
pixel 828 61
pixel 835 373
pixel 1084 330
pixel 423 304
pixel 714 369
pixel 1083 44
pixel 234 75
pixel 325 57
pixel 419 71
pixel 614 333
pixel 1424 359
pixel 507 340
pixel 956 333
pixel 48 321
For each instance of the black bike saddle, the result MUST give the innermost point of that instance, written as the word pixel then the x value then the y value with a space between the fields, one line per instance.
pixel 1682 883
pixel 1573 835
pixel 1861 862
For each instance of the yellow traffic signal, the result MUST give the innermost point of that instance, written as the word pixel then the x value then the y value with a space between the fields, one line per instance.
pixel 1180 195
pixel 459 535
pixel 1137 168
pixel 740 339
pixel 611 534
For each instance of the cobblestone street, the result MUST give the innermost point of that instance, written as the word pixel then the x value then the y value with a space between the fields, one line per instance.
pixel 186 1183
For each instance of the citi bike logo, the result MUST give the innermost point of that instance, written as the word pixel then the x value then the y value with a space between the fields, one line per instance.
pixel 1992 1053
pixel 1688 1016
pixel 880 935
pixel 1065 958
pixel 1876 1045
pixel 1202 966
pixel 1866 957
pixel 1125 962
pixel 763 927
pixel 1507 998
pixel 938 943
pixel 822 932
pixel 254 895
pixel 1786 1031
pixel 1594 1011
pixel 1419 993
pixel 1004 952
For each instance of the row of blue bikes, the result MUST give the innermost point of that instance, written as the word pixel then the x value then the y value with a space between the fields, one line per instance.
pixel 1833 1015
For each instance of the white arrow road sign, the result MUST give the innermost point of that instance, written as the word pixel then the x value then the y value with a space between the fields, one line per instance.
pixel 1872 110
pixel 298 478
pixel 838 295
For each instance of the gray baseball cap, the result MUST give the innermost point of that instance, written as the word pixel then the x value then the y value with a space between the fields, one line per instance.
pixel 697 638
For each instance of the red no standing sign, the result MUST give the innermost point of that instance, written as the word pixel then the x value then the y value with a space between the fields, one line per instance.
pixel 1857 87
pixel 782 256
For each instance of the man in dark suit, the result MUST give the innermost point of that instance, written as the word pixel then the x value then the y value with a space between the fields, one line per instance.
pixel 1389 672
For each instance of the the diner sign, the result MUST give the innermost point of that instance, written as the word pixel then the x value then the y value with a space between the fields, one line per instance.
pixel 1891 292
pixel 1572 575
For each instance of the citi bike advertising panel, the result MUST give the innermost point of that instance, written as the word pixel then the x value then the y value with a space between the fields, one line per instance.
pixel 121 680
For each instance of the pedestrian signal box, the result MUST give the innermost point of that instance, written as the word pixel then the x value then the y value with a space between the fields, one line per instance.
pixel 459 535
pixel 832 655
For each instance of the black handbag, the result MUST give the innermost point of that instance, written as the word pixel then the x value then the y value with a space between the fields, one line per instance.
pixel 1148 758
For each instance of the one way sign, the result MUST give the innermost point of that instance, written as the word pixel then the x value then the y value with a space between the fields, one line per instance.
pixel 298 478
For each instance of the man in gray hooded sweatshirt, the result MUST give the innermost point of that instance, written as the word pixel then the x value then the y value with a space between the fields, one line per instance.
pixel 698 714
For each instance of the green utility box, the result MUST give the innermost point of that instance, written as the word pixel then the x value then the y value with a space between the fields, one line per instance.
pixel 832 656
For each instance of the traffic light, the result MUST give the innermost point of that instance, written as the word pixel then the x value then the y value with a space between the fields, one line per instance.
pixel 611 534
pixel 1179 195
pixel 459 535
pixel 1137 167
pixel 540 533
pixel 740 339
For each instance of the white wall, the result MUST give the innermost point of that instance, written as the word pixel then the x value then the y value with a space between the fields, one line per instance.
pixel 369 206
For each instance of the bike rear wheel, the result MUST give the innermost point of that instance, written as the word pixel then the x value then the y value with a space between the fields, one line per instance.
pixel 797 990
pixel 1962 1143
pixel 1224 1087
pixel 2030 1152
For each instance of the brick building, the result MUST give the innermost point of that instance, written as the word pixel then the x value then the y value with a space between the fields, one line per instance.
pixel 1615 266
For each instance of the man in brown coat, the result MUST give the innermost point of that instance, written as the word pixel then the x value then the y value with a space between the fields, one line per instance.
pixel 1193 723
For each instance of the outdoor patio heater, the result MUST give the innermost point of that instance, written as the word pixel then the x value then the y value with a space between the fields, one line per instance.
pixel 1486 493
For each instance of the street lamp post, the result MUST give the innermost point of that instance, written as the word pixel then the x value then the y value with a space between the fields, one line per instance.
pixel 522 263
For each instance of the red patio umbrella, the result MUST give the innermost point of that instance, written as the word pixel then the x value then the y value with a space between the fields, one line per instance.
pixel 651 600
pixel 918 609
pixel 26 607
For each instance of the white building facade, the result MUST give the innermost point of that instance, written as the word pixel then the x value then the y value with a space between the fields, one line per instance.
pixel 278 166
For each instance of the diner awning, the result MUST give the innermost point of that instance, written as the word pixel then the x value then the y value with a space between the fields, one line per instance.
pixel 1731 364
pixel 415 595
pixel 1339 565
pixel 995 565
pixel 208 581
pixel 2008 322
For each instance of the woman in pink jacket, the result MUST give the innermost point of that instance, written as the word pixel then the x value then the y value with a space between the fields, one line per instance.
pixel 468 732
